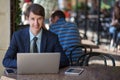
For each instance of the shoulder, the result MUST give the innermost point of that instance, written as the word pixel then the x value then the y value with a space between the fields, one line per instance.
pixel 21 32
pixel 49 33
pixel 52 37
pixel 59 22
pixel 71 24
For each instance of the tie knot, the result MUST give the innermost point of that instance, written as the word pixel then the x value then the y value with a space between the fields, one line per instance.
pixel 35 38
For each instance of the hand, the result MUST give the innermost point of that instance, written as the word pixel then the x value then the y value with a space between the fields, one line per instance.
pixel 115 23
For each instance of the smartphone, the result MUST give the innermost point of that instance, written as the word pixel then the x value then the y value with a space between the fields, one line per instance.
pixel 10 71
pixel 74 71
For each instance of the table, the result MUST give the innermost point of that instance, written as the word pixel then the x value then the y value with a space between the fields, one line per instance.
pixel 90 73
pixel 88 44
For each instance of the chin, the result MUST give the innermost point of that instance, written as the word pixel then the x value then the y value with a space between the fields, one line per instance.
pixel 37 30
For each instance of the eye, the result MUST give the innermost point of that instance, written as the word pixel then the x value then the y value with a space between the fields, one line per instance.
pixel 32 19
pixel 40 18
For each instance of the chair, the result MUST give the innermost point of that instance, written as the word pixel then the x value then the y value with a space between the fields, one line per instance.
pixel 73 57
pixel 84 59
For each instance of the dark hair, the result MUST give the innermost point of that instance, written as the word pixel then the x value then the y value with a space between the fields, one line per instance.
pixel 117 4
pixel 36 9
pixel 58 13
pixel 117 10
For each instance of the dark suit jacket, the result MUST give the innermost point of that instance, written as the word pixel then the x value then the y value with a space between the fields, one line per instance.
pixel 20 43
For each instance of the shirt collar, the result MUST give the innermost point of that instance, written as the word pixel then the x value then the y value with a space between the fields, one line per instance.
pixel 38 35
pixel 61 20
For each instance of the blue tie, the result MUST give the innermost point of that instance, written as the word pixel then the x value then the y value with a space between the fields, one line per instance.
pixel 35 50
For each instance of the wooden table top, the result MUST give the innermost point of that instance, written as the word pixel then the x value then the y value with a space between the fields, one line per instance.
pixel 88 44
pixel 90 73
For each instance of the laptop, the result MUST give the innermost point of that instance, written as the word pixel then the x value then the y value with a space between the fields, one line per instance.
pixel 35 63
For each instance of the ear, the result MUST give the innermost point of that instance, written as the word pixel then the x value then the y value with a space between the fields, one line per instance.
pixel 56 18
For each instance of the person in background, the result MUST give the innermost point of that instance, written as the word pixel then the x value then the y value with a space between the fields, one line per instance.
pixel 115 24
pixel 67 32
pixel 23 40
pixel 26 4
pixel 67 15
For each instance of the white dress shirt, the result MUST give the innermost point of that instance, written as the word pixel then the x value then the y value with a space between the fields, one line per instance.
pixel 39 35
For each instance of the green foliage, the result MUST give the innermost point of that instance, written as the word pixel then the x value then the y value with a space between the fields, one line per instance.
pixel 17 14
pixel 80 6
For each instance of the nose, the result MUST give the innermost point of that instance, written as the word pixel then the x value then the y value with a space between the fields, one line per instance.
pixel 36 22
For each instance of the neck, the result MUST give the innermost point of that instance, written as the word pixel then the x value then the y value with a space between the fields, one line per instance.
pixel 35 33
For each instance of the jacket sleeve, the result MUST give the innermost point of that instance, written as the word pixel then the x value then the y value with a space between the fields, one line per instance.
pixel 9 60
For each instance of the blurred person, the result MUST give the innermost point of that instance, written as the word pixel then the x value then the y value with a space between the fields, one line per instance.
pixel 67 15
pixel 67 32
pixel 26 4
pixel 23 40
pixel 115 24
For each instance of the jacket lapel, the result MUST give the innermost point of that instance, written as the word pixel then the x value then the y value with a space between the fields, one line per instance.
pixel 27 40
pixel 43 41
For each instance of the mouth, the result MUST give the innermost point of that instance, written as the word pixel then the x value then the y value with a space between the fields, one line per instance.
pixel 36 27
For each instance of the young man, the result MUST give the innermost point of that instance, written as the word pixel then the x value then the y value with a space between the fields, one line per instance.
pixel 67 32
pixel 23 40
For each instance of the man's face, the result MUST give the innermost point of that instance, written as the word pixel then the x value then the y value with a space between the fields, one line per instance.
pixel 35 22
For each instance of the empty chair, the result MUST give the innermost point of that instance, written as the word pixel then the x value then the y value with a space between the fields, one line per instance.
pixel 86 58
